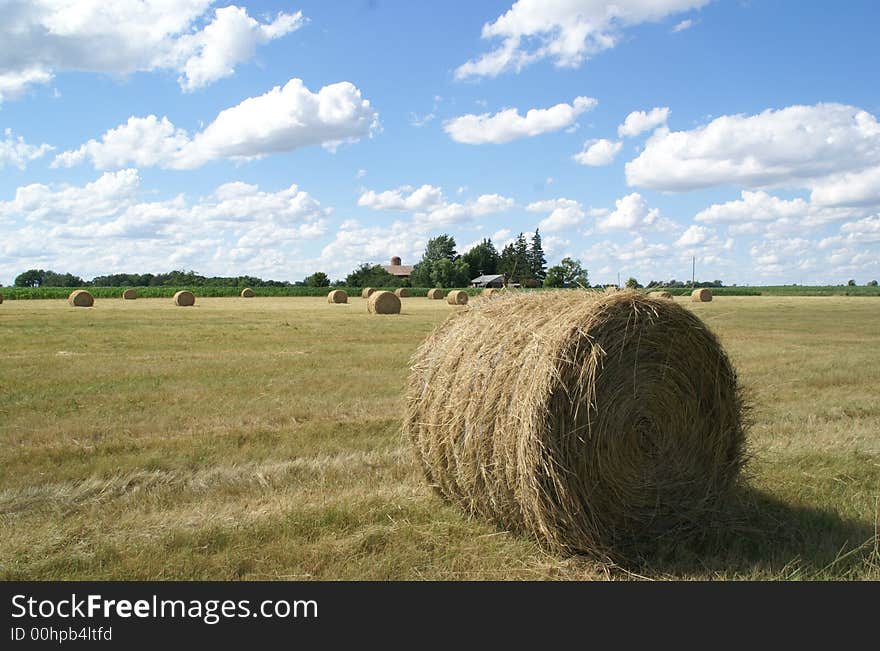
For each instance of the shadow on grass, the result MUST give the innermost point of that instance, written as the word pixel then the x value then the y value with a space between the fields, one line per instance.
pixel 761 537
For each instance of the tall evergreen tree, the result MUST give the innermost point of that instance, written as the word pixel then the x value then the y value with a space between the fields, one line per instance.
pixel 482 260
pixel 537 260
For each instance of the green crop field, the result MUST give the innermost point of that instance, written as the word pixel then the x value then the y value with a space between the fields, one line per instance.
pixel 260 439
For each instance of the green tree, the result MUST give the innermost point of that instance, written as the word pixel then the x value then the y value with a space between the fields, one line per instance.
pixel 851 283
pixel 317 279
pixel 514 261
pixel 632 283
pixel 872 283
pixel 537 260
pixel 569 272
pixel 371 275
pixel 482 259
pixel 29 278
pixel 440 266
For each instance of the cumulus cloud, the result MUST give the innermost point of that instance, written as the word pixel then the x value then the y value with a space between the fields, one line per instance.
pixel 18 153
pixel 508 124
pixel 106 225
pixel 404 198
pixel 564 214
pixel 694 235
pixel 683 25
pixel 597 153
pixel 564 31
pixel 632 213
pixel 460 212
pixel 638 122
pixel 285 118
pixel 797 146
pixel 40 37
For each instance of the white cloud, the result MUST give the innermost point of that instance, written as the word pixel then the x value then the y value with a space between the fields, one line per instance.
pixel 354 243
pixel 283 119
pixel 18 153
pixel 632 213
pixel 13 83
pixel 565 31
pixel 508 124
pixel 40 37
pixel 599 152
pixel 797 146
pixel 638 122
pixel 422 198
pixel 860 188
pixel 864 230
pixel 105 226
pixel 457 213
pixel 683 25
pixel 564 214
pixel 694 235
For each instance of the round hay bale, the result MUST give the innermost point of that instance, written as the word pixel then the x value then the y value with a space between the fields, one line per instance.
pixel 530 283
pixel 184 298
pixel 436 294
pixel 383 303
pixel 129 294
pixel 663 294
pixel 337 296
pixel 402 292
pixel 702 295
pixel 457 297
pixel 247 292
pixel 366 292
pixel 614 419
pixel 80 298
pixel 489 292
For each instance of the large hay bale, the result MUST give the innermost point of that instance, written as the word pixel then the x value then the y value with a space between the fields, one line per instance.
pixel 80 298
pixel 702 295
pixel 337 296
pixel 590 421
pixel 247 292
pixel 402 292
pixel 366 292
pixel 184 298
pixel 436 294
pixel 129 294
pixel 489 292
pixel 661 294
pixel 383 303
pixel 457 297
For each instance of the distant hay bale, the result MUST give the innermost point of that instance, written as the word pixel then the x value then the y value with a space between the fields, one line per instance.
pixel 366 292
pixel 184 298
pixel 247 292
pixel 489 292
pixel 383 303
pixel 457 297
pixel 592 422
pixel 436 294
pixel 530 282
pixel 130 294
pixel 80 298
pixel 663 294
pixel 337 296
pixel 702 295
pixel 402 292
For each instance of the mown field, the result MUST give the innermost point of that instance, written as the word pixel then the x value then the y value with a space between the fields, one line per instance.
pixel 259 439
pixel 211 291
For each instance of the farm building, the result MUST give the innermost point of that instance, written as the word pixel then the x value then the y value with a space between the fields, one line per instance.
pixel 398 269
pixel 496 280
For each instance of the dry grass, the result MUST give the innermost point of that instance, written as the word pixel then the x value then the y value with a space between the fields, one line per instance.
pixel 383 302
pixel 337 296
pixel 615 419
pixel 184 298
pixel 457 297
pixel 265 443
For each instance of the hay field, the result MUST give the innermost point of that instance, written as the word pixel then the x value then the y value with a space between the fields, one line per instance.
pixel 261 439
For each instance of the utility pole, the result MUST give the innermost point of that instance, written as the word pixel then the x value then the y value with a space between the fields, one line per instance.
pixel 618 280
pixel 693 271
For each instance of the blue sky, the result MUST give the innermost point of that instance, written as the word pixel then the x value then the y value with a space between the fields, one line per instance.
pixel 278 139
